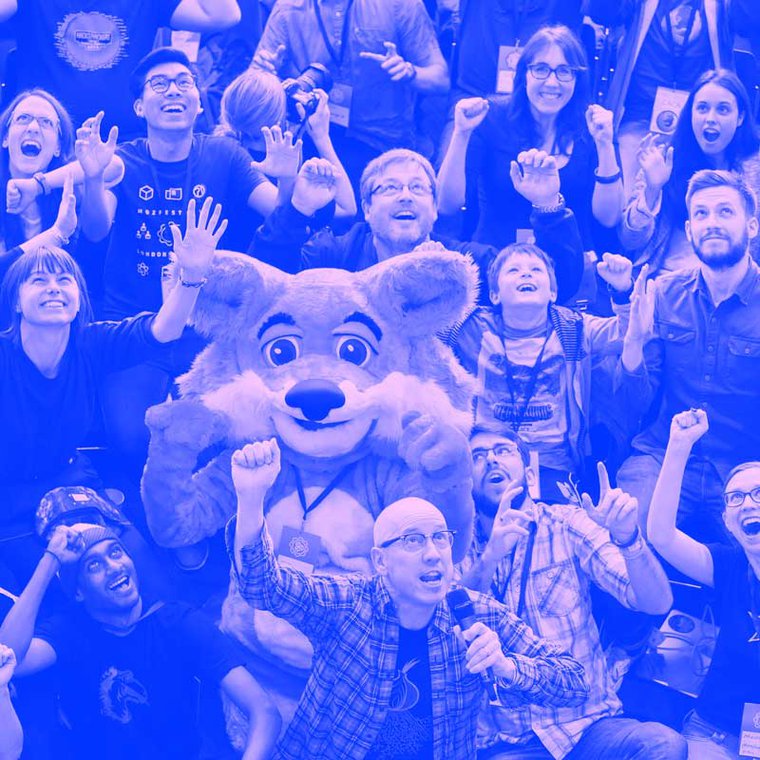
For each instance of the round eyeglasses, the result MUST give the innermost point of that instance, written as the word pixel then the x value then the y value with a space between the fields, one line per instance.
pixel 160 83
pixel 736 499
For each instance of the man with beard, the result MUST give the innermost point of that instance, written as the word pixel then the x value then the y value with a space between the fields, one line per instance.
pixel 539 561
pixel 701 329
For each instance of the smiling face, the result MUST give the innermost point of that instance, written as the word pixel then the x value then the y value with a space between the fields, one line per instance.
pixel 107 581
pixel 744 521
pixel 496 463
pixel 719 227
pixel 173 109
pixel 523 281
pixel 401 210
pixel 47 299
pixel 549 96
pixel 715 117
pixel 32 137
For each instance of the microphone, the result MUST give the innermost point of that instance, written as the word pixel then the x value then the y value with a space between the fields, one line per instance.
pixel 464 612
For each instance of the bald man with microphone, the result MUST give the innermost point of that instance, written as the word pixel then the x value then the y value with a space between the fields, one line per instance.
pixel 392 676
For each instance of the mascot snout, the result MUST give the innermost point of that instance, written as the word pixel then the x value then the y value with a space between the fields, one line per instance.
pixel 315 398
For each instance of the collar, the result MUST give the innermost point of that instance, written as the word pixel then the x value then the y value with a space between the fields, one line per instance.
pixel 745 290
pixel 442 618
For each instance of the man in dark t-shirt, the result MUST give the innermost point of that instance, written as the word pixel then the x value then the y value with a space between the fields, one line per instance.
pixel 128 664
pixel 84 52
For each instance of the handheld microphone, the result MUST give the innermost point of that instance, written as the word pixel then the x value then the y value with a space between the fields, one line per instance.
pixel 464 612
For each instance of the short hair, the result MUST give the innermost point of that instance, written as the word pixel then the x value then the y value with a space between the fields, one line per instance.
pixel 384 160
pixel 253 100
pixel 48 260
pixel 706 178
pixel 519 248
pixel 740 468
pixel 155 58
pixel 509 435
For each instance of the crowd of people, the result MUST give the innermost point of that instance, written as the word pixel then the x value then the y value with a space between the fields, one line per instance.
pixel 596 164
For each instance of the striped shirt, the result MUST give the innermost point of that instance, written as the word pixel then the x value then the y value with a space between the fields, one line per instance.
pixel 352 623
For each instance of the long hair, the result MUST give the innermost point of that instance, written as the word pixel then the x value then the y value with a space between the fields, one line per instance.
pixel 688 157
pixel 48 260
pixel 571 120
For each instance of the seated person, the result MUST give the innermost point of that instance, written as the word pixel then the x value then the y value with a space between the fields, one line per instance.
pixel 539 562
pixel 52 359
pixel 534 361
pixel 712 729
pixel 398 196
pixel 128 661
pixel 253 113
pixel 388 666
pixel 717 131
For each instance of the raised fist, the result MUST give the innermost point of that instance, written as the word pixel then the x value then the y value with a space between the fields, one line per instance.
pixel 255 467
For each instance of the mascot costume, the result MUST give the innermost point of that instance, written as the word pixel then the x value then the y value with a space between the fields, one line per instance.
pixel 367 404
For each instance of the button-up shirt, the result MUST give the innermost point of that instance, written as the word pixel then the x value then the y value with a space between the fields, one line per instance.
pixel 569 552
pixel 708 357
pixel 354 627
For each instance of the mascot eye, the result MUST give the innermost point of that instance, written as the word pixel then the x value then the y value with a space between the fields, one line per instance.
pixel 353 349
pixel 281 351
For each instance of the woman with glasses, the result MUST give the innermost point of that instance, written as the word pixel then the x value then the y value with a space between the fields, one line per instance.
pixel 548 110
pixel 733 572
pixel 716 131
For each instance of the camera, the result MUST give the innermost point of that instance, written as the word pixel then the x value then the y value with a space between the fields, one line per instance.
pixel 300 91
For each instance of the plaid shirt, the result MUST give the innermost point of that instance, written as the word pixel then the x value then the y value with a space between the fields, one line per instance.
pixel 352 623
pixel 569 552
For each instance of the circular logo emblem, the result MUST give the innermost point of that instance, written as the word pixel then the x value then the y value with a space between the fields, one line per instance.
pixel 91 41
pixel 142 269
pixel 666 121
pixel 199 191
pixel 298 546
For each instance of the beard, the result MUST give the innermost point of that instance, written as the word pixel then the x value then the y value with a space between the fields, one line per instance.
pixel 725 260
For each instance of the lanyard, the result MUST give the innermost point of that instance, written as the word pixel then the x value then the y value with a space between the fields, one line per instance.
pixel 526 569
pixel 328 489
pixel 517 419
pixel 337 59
pixel 680 50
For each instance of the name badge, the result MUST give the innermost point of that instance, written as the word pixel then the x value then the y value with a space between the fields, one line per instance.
pixel 749 740
pixel 340 104
pixel 299 549
pixel 506 67
pixel 668 104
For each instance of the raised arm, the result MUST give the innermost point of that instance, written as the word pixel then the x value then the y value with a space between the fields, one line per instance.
pixel 205 15
pixel 683 552
pixel 430 77
pixel 608 199
pixel 11 732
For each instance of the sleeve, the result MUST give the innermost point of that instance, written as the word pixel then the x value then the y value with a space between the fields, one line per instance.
pixel 313 604
pixel 638 223
pixel 58 631
pixel 242 178
pixel 210 653
pixel 466 342
pixel 417 41
pixel 557 234
pixel 604 335
pixel 119 345
pixel 164 10
pixel 727 567
pixel 544 675
pixel 275 34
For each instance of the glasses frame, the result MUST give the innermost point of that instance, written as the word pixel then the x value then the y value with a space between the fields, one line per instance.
pixel 407 547
pixel 172 80
pixel 554 70
pixel 384 190
pixel 41 122
pixel 485 451
pixel 744 494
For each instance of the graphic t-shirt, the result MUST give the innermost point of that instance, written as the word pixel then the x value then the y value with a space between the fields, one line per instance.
pixel 734 675
pixel 84 51
pixel 667 58
pixel 407 733
pixel 153 194
pixel 135 696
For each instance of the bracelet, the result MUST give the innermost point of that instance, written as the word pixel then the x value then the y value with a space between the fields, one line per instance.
pixel 552 208
pixel 54 556
pixel 40 179
pixel 199 284
pixel 610 179
pixel 630 542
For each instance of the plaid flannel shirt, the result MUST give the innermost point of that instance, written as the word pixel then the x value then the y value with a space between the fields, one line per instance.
pixel 569 551
pixel 352 623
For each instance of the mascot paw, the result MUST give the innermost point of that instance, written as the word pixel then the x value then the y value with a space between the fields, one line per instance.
pixel 439 451
pixel 187 422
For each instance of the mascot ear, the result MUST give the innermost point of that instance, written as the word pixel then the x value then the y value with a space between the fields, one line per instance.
pixel 423 292
pixel 237 290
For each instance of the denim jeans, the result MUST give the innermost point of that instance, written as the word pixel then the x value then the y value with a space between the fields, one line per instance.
pixel 706 742
pixel 609 739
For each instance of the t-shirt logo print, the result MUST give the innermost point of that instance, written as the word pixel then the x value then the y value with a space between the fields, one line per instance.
pixel 119 689
pixel 404 694
pixel 91 41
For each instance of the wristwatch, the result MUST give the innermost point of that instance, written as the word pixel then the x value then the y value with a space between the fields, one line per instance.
pixel 552 208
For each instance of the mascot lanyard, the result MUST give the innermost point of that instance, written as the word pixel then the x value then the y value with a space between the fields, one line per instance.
pixel 530 389
pixel 328 489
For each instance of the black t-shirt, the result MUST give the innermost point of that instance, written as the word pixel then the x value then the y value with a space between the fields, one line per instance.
pixel 154 193
pixel 84 51
pixel 664 59
pixel 734 676
pixel 407 733
pixel 135 696
pixel 44 420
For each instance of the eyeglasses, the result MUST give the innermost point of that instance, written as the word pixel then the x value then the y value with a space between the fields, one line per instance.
pixel 415 542
pixel 160 83
pixel 735 499
pixel 389 189
pixel 563 72
pixel 500 451
pixel 24 119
